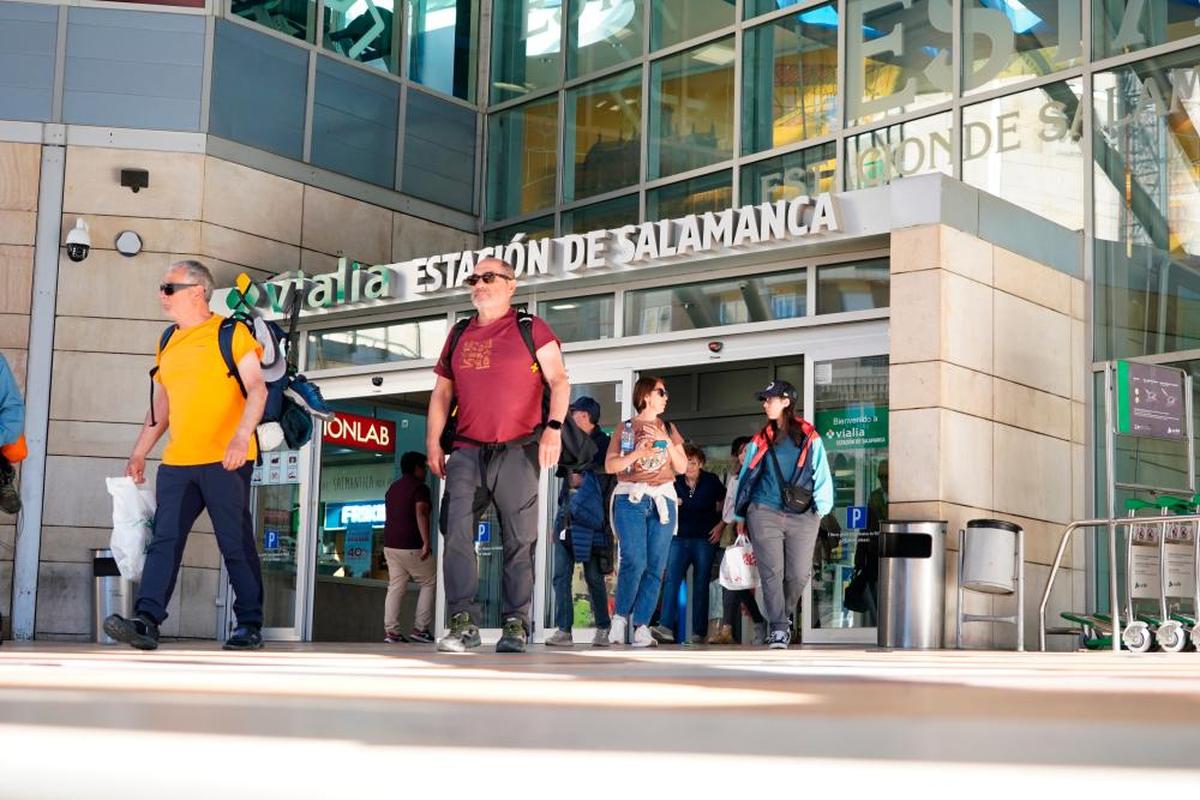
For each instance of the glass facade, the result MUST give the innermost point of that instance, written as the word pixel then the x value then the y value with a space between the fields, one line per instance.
pixel 364 31
pixel 526 47
pixel 603 136
pixel 691 116
pixel 605 215
pixel 602 33
pixel 522 159
pixel 580 319
pixel 781 295
pixel 675 21
pixel 878 157
pixel 789 80
pixel 384 344
pixel 802 172
pixel 443 45
pixel 695 196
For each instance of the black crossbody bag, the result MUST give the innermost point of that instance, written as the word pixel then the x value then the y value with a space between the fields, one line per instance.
pixel 796 499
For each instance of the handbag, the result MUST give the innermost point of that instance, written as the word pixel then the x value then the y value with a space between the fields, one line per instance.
pixel 796 499
pixel 739 570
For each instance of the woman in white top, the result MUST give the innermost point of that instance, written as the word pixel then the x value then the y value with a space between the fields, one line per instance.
pixel 645 454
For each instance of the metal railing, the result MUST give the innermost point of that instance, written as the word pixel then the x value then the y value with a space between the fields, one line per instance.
pixel 1111 524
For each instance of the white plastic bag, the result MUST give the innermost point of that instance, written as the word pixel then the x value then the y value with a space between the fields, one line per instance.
pixel 739 570
pixel 133 522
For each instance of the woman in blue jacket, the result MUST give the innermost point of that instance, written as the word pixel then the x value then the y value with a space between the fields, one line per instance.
pixel 786 454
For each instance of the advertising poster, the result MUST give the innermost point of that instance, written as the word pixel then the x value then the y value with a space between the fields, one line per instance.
pixel 359 539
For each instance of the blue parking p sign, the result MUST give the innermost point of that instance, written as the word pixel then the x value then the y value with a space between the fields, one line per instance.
pixel 270 540
pixel 856 518
pixel 484 532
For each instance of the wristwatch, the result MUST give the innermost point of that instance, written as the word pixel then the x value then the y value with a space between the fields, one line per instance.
pixel 554 425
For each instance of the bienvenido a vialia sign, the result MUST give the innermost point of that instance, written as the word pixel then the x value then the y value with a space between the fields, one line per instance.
pixel 628 247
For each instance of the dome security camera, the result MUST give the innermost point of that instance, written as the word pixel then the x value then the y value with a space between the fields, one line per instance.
pixel 377 380
pixel 79 242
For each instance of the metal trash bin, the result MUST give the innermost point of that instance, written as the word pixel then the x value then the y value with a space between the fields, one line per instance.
pixel 111 594
pixel 988 552
pixel 912 583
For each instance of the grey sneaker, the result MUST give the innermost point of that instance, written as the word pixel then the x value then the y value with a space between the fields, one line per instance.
pixel 513 637
pixel 779 640
pixel 662 634
pixel 560 638
pixel 601 638
pixel 462 636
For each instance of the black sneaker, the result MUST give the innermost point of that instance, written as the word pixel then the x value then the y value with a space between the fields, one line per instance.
pixel 513 639
pixel 779 640
pixel 462 636
pixel 10 498
pixel 244 637
pixel 421 636
pixel 139 631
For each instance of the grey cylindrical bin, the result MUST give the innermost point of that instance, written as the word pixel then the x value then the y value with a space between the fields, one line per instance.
pixel 912 583
pixel 111 594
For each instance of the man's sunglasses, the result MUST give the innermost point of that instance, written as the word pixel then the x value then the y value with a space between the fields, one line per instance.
pixel 171 288
pixel 487 277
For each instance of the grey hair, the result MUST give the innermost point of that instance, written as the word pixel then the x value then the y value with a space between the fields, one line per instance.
pixel 509 268
pixel 197 273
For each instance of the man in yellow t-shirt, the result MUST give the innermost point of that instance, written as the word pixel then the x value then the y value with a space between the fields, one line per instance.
pixel 207 462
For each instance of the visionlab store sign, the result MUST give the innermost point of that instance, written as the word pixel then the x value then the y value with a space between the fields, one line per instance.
pixel 361 433
pixel 628 247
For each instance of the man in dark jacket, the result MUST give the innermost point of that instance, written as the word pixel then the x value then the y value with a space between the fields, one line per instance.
pixel 581 534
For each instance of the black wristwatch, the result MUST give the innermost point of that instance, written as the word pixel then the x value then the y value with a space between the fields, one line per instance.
pixel 554 425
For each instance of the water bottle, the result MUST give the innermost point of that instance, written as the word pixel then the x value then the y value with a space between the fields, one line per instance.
pixel 627 438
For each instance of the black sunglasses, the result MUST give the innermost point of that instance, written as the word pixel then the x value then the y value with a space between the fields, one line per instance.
pixel 171 288
pixel 661 393
pixel 487 277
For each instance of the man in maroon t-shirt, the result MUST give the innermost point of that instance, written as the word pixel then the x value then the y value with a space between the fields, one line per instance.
pixel 500 445
pixel 406 550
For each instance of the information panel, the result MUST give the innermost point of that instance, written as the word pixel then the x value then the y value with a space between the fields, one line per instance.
pixel 1150 401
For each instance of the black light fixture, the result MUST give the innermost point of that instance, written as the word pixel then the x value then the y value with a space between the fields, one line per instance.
pixel 135 179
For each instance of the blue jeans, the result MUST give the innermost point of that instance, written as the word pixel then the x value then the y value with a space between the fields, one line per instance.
pixel 698 554
pixel 564 571
pixel 182 493
pixel 644 545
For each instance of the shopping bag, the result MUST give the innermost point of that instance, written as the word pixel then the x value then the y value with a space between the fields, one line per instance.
pixel 133 522
pixel 738 568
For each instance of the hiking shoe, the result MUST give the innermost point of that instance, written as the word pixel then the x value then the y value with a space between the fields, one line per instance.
pixel 462 636
pixel 10 498
pixel 779 640
pixel 643 637
pixel 307 395
pixel 139 631
pixel 616 631
pixel 601 638
pixel 395 638
pixel 560 638
pixel 662 634
pixel 244 637
pixel 723 635
pixel 421 636
pixel 513 637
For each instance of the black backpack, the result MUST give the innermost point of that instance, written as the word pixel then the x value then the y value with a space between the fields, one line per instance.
pixel 578 449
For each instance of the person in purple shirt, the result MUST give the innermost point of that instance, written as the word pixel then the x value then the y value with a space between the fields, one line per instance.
pixel 407 551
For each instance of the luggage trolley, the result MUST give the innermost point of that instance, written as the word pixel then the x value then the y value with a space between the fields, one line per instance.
pixel 1142 401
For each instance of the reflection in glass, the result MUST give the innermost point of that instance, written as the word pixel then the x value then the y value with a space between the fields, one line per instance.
pixel 356 347
pixel 602 216
pixel 675 21
pixel 603 135
pixel 897 57
pixel 781 295
pixel 602 33
pixel 1016 146
pixel 443 43
pixel 364 31
pixel 539 228
pixel 878 157
pixel 804 172
pixel 522 159
pixel 691 112
pixel 853 287
pixel 1147 207
pixel 694 196
pixel 1005 42
pixel 851 411
pixel 296 18
pixel 526 46
pixel 789 79
pixel 277 525
pixel 1120 27
pixel 579 319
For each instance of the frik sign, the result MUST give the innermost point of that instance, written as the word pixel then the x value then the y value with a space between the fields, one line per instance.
pixel 628 247
pixel 362 433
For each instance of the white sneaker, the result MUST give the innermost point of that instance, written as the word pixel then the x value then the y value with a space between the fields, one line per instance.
pixel 642 637
pixel 616 631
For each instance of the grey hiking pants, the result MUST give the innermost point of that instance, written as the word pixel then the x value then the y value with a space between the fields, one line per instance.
pixel 783 547
pixel 506 475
